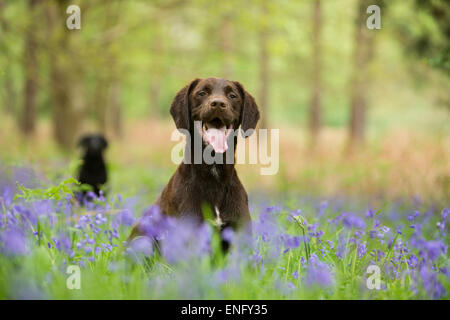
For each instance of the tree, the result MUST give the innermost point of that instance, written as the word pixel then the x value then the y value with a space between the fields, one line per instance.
pixel 10 93
pixel 65 87
pixel 156 64
pixel 227 43
pixel 434 47
pixel 264 65
pixel 28 118
pixel 315 112
pixel 362 55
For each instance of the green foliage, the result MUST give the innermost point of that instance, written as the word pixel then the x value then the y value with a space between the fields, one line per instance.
pixel 59 192
pixel 154 48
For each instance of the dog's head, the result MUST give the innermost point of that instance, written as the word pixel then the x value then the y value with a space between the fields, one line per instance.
pixel 214 107
pixel 93 144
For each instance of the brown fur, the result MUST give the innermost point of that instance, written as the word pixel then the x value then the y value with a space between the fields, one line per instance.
pixel 216 185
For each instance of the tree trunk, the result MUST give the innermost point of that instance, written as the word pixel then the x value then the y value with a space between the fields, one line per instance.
pixel 28 124
pixel 315 110
pixel 65 87
pixel 116 108
pixel 101 104
pixel 264 75
pixel 10 94
pixel 156 69
pixel 227 45
pixel 363 53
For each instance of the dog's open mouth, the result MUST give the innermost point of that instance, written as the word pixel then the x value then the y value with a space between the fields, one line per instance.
pixel 215 133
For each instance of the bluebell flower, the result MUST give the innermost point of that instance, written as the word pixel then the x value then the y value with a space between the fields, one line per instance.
pixel 412 217
pixel 431 284
pixel 362 249
pixel 353 221
pixel 13 242
pixel 370 213
pixel 228 234
pixel 290 242
pixel 302 261
pixel 142 245
pixel 435 249
pixel 318 273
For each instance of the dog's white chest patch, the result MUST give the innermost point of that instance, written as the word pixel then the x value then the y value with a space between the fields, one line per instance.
pixel 217 221
pixel 215 172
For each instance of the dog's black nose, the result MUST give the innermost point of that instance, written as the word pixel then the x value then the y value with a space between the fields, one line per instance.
pixel 218 103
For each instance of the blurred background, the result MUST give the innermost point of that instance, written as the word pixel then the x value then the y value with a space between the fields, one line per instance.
pixel 362 113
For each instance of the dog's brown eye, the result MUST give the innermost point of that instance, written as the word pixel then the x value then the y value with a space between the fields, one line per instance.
pixel 202 93
pixel 232 96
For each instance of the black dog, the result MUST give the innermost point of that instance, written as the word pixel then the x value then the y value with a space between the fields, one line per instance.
pixel 93 169
pixel 220 105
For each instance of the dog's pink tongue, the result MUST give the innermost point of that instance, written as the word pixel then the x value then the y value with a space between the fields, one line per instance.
pixel 217 138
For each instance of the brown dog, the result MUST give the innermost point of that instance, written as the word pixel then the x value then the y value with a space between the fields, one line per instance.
pixel 220 105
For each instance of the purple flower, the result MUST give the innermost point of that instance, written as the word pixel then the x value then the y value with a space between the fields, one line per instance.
pixel 154 224
pixel 266 226
pixel 142 245
pixel 256 258
pixel 185 240
pixel 351 220
pixel 323 206
pixel 434 249
pixel 318 273
pixel 63 243
pixel 330 243
pixel 376 223
pixel 82 264
pixel 441 226
pixel 295 274
pixel 125 218
pixel 362 249
pixel 431 284
pixel 412 217
pixel 370 213
pixel 100 219
pixel 302 261
pixel 290 242
pixel 445 213
pixel 13 242
pixel 341 248
pixel 228 234
pixel 412 261
pixel 107 247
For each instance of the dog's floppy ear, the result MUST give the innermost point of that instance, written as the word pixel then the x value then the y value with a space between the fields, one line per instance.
pixel 83 142
pixel 180 106
pixel 249 112
pixel 104 142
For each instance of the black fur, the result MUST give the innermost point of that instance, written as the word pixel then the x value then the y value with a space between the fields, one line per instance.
pixel 93 169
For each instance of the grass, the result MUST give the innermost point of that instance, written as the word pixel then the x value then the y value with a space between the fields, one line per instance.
pixel 397 174
pixel 329 265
